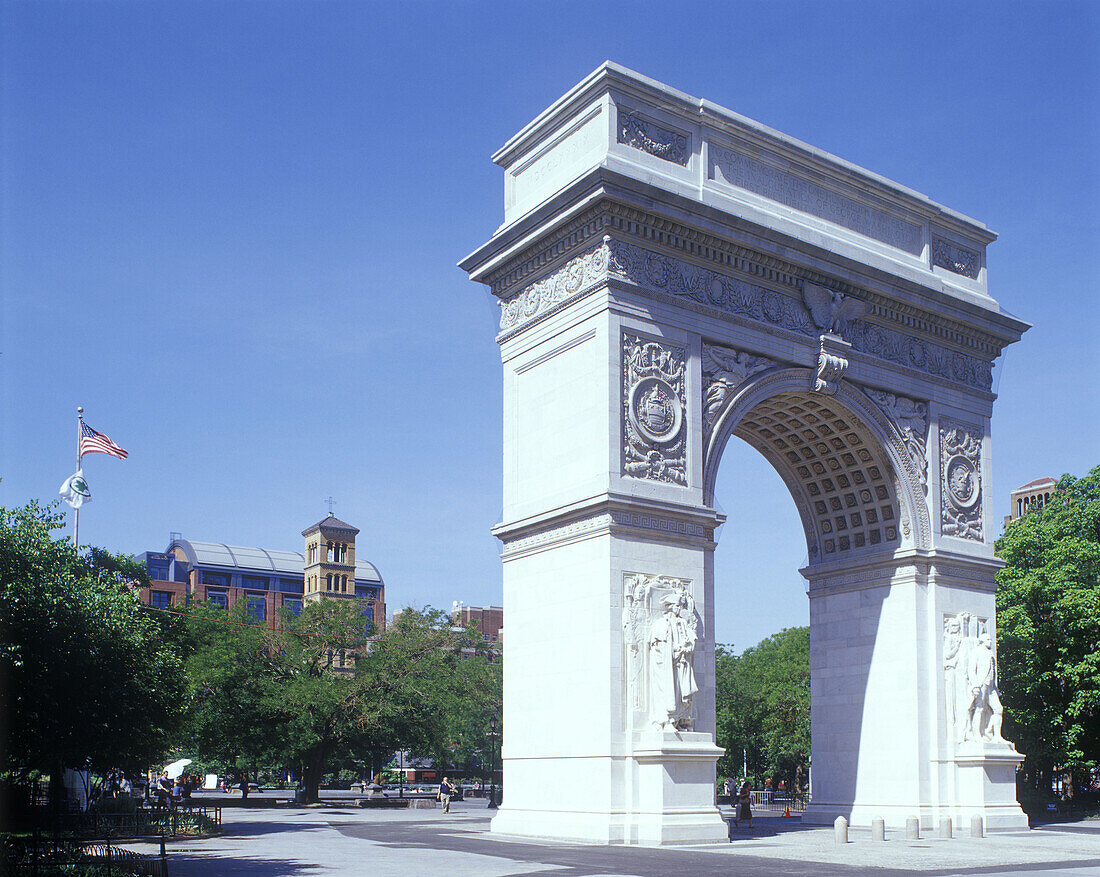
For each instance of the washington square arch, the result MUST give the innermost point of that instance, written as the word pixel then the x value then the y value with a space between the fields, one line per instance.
pixel 672 275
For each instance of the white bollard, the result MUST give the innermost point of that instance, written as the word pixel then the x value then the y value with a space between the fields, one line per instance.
pixel 878 828
pixel 912 828
pixel 976 827
pixel 840 830
pixel 946 832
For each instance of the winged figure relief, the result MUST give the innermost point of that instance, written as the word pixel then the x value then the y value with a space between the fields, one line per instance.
pixel 832 311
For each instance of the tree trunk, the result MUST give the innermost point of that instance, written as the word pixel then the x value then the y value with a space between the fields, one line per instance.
pixel 312 766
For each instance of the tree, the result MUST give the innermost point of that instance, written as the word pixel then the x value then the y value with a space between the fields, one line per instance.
pixel 318 691
pixel 763 707
pixel 91 679
pixel 1048 627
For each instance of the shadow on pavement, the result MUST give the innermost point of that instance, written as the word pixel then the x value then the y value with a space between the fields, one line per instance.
pixel 767 826
pixel 184 865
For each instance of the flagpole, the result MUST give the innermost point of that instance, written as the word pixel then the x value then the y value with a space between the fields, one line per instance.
pixel 79 458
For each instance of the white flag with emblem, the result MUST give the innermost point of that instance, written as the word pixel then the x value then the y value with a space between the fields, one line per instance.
pixel 74 489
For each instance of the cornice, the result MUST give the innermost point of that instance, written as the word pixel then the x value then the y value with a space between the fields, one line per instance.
pixel 663 234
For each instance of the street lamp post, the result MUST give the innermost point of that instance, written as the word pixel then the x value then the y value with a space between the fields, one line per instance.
pixel 493 763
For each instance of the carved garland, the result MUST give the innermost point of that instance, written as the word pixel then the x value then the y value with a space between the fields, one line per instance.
pixel 961 480
pixel 654 411
pixel 955 259
pixel 653 139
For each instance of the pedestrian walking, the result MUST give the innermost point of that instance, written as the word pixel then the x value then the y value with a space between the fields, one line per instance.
pixel 446 790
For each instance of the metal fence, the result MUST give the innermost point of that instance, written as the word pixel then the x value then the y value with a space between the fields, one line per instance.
pixel 767 801
pixel 142 821
pixel 37 857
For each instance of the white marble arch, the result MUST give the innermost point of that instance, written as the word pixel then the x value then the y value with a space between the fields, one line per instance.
pixel 671 274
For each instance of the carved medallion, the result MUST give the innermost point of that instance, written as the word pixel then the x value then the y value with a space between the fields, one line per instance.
pixel 655 411
pixel 960 480
pixel 654 442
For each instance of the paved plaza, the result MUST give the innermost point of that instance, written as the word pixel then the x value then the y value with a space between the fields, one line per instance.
pixel 344 840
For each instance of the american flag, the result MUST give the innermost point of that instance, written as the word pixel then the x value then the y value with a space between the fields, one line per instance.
pixel 93 442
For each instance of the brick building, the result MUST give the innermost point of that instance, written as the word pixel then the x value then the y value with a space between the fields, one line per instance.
pixel 221 574
pixel 1033 493
pixel 487 620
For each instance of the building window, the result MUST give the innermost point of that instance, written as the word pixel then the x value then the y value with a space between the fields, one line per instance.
pixel 218 599
pixel 293 605
pixel 221 580
pixel 254 583
pixel 328 582
pixel 160 599
pixel 257 607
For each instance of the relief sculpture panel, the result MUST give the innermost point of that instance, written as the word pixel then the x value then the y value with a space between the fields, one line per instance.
pixel 654 411
pixel 971 701
pixel 660 631
pixel 961 480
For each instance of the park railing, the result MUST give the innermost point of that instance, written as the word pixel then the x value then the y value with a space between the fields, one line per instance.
pixel 35 855
pixel 768 801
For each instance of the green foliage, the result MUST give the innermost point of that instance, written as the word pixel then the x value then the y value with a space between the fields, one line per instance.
pixel 91 679
pixel 264 699
pixel 1048 627
pixel 763 707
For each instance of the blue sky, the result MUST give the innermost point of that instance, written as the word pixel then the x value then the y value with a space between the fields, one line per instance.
pixel 230 229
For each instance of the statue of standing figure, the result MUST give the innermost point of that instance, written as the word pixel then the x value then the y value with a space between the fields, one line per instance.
pixel 985 712
pixel 971 700
pixel 672 674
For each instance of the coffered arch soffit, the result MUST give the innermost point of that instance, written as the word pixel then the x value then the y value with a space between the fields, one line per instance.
pixel 855 483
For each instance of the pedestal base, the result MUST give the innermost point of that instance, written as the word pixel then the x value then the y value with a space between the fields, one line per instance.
pixel 984 785
pixel 661 794
pixel 986 776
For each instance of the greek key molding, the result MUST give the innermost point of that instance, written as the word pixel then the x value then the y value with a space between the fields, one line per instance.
pixel 883 575
pixel 762 179
pixel 724 370
pixel 910 419
pixel 961 480
pixel 654 430
pixel 647 136
pixel 956 259
pixel 605 520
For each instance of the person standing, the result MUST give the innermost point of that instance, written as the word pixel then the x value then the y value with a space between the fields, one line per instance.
pixel 446 790
pixel 744 802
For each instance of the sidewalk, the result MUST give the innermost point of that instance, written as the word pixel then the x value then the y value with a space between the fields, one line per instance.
pixel 340 840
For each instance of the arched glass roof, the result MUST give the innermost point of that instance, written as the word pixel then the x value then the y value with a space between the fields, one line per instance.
pixel 259 560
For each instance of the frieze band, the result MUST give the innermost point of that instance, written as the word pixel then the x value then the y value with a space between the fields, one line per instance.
pixel 731 295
